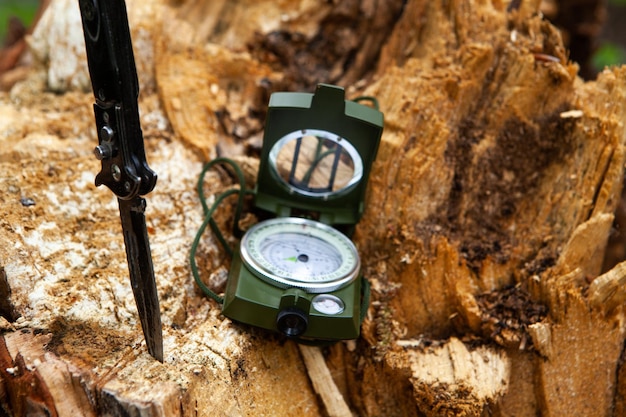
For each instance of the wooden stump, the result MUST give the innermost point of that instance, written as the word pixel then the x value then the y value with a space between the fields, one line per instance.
pixel 487 218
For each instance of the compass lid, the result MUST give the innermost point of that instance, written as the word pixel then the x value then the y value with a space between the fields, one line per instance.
pixel 317 153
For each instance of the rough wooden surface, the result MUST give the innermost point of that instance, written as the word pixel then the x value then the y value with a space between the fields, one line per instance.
pixel 490 206
pixel 506 171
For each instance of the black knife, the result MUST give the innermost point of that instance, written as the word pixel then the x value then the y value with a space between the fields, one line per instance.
pixel 120 148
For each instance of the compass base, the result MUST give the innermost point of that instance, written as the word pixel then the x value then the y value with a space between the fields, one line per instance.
pixel 253 301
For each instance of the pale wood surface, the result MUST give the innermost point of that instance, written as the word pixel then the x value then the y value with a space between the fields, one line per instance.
pixel 323 382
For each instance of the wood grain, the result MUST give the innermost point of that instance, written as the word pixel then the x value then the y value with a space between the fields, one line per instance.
pixel 487 218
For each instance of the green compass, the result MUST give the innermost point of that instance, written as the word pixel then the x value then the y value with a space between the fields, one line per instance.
pixel 298 272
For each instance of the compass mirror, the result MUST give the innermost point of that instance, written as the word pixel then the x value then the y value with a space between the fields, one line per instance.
pixel 316 163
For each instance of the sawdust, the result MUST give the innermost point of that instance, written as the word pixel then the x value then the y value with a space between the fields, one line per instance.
pixel 62 250
pixel 506 315
pixel 489 185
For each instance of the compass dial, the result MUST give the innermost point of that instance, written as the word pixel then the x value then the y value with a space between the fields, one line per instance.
pixel 294 252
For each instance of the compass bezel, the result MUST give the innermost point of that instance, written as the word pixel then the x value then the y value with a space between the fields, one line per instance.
pixel 263 268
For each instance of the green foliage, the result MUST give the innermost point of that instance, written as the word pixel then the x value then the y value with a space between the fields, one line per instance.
pixel 609 54
pixel 22 9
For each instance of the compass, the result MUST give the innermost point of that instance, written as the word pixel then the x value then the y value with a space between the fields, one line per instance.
pixel 292 252
pixel 298 272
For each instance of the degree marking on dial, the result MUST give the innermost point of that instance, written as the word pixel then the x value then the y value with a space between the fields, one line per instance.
pixel 293 252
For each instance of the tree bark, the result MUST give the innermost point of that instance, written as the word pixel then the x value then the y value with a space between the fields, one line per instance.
pixel 487 218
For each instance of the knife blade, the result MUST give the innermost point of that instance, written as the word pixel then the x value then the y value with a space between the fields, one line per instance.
pixel 142 273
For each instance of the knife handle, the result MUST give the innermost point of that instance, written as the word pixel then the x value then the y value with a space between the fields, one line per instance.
pixel 114 81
